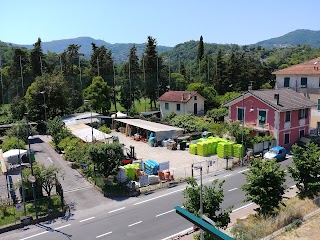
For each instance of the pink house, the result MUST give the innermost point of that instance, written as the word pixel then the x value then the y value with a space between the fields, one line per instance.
pixel 282 113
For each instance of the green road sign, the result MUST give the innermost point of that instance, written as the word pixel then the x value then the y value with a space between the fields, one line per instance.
pixel 202 224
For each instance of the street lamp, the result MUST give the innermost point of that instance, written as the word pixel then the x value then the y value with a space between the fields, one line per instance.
pixel 243 119
pixel 31 178
pixel 201 204
pixel 22 183
pixel 45 109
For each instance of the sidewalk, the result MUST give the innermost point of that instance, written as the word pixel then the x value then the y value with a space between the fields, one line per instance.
pixel 240 213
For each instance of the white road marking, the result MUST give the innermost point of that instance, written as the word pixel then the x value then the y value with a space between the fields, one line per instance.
pixel 293 186
pixel 179 233
pixel 165 213
pixel 116 210
pixel 237 209
pixel 103 234
pixel 211 180
pixel 227 175
pixel 87 219
pixel 62 226
pixel 38 234
pixel 148 200
pixel 134 224
pixel 49 158
pixel 77 189
pixel 243 170
pixel 232 189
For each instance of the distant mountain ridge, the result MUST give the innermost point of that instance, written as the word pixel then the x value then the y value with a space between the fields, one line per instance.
pixel 120 51
pixel 297 37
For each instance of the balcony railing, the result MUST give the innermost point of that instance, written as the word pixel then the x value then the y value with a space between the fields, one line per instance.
pixel 254 124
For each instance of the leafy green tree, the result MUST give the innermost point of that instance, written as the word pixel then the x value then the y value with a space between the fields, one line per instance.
pixel 208 92
pixel 18 108
pixel 45 176
pixel 20 129
pixel 217 113
pixel 99 95
pixel 104 129
pixel 227 97
pixel 12 143
pixel 306 170
pixel 56 97
pixel 178 82
pixel 200 49
pixel 57 130
pixel 190 123
pixel 265 185
pixel 106 157
pixel 266 86
pixel 212 198
pixel 235 129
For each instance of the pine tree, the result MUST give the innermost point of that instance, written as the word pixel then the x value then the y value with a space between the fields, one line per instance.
pixel 37 59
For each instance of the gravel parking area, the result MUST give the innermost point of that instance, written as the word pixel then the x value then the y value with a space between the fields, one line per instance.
pixel 180 160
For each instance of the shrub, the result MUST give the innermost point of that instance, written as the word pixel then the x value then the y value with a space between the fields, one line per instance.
pixel 190 123
pixel 218 129
pixel 104 129
pixel 12 143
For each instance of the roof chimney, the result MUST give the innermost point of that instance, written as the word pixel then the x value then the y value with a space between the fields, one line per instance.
pixel 189 95
pixel 277 96
pixel 182 97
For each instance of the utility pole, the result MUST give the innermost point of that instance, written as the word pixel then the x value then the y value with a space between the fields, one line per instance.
pixel 22 183
pixel 145 87
pixel 208 69
pixel 114 87
pixel 157 78
pixel 169 75
pixel 21 77
pixel 80 73
pixel 98 66
pixel 1 81
pixel 31 168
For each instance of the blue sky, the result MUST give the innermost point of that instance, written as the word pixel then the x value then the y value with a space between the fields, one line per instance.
pixel 169 21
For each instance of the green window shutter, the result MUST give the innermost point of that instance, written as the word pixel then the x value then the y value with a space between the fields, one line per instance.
pixel 319 104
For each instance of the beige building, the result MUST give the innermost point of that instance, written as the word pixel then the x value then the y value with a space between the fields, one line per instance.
pixel 304 78
pixel 181 102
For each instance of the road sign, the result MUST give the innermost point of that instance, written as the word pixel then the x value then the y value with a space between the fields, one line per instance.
pixel 19 207
pixel 164 166
pixel 144 181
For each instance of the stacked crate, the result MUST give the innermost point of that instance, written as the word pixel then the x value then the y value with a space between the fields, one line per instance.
pixel 222 149
pixel 238 150
pixel 193 149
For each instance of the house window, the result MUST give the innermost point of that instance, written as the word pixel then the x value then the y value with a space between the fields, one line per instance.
pixel 262 117
pixel 286 82
pixel 195 98
pixel 178 106
pixel 303 113
pixel 301 133
pixel 319 82
pixel 318 104
pixel 303 82
pixel 286 138
pixel 288 116
pixel 166 106
pixel 240 114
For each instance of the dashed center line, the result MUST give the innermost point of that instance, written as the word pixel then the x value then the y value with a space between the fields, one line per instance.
pixel 165 213
pixel 227 175
pixel 237 209
pixel 134 224
pixel 103 234
pixel 51 230
pixel 159 196
pixel 232 189
pixel 243 170
pixel 87 219
pixel 63 226
pixel 116 210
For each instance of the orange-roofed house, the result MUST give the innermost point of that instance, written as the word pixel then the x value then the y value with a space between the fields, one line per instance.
pixel 303 78
pixel 181 102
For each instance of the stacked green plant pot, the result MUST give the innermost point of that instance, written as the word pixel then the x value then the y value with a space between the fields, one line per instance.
pixel 193 149
pixel 200 148
pixel 238 150
pixel 222 149
pixel 230 148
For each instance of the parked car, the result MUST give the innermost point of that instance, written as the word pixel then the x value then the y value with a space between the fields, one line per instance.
pixel 277 152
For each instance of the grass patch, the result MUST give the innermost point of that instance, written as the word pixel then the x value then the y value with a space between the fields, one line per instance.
pixel 256 227
pixel 9 214
pixel 142 106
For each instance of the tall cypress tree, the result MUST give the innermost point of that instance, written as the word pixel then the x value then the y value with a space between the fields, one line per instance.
pixel 37 59
pixel 151 65
pixel 200 49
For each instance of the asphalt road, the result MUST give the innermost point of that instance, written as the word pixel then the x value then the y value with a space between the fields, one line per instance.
pixel 143 217
pixel 78 191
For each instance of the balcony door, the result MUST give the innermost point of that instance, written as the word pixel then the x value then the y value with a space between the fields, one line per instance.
pixel 262 117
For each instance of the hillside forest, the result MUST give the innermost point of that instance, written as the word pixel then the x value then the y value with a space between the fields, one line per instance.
pixel 64 81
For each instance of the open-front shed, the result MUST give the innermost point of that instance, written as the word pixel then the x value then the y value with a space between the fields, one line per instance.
pixel 131 127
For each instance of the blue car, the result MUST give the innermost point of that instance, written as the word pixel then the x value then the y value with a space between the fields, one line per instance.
pixel 277 152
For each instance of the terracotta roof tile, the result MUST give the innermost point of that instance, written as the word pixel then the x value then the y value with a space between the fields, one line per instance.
pixel 311 67
pixel 178 96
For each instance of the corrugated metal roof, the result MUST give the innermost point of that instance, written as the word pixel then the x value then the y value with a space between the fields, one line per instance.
pixel 151 126
pixel 84 132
